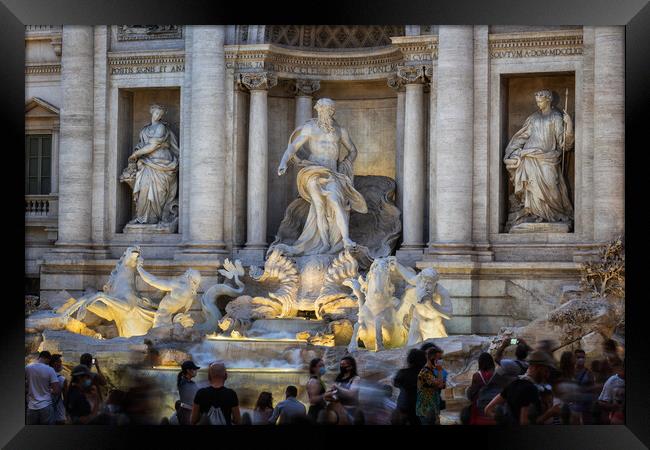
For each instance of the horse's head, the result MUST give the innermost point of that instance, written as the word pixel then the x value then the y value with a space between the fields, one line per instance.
pixel 378 278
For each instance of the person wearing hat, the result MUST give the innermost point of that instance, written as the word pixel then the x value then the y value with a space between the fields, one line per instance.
pixel 186 390
pixel 77 405
pixel 525 392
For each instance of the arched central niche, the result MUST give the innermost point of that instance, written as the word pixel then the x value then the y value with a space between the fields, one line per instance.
pixel 332 36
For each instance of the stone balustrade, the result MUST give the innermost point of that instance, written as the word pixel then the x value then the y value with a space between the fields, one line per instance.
pixel 41 206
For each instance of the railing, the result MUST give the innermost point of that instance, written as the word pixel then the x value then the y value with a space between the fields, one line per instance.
pixel 41 206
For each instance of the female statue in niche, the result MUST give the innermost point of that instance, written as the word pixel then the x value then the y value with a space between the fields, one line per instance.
pixel 534 160
pixel 153 172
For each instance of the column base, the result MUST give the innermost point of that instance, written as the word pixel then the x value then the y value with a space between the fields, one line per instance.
pixel 202 251
pixel 251 255
pixel 410 254
pixel 458 252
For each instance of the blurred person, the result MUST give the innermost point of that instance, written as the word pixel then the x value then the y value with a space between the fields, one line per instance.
pixel 58 405
pixel 526 391
pixel 263 409
pixel 345 390
pixel 98 378
pixel 246 419
pixel 173 419
pixel 482 390
pixel 585 380
pixel 42 385
pixel 512 368
pixel 612 398
pixel 406 380
pixel 316 388
pixel 78 407
pixel 143 402
pixel 287 409
pixel 382 414
pixel 216 404
pixel 186 390
pixel 432 379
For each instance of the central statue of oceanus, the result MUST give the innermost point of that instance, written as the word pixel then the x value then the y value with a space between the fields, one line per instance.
pixel 325 182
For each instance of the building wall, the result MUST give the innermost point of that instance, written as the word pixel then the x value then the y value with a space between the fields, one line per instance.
pixel 522 275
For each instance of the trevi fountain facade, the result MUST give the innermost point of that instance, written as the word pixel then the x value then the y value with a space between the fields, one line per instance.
pixel 264 195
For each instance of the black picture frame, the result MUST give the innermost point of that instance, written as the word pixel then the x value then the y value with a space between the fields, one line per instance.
pixel 634 14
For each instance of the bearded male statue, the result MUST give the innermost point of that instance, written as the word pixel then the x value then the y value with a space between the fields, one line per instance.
pixel 325 182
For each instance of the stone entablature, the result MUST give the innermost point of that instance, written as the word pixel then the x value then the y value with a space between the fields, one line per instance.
pixel 148 32
pixel 286 63
pixel 417 50
pixel 132 63
pixel 536 44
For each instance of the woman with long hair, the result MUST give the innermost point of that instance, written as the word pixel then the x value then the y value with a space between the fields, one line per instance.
pixel 345 390
pixel 481 390
pixel 263 409
pixel 186 390
pixel 316 388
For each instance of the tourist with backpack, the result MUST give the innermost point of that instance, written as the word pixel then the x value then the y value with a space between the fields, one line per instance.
pixel 216 404
pixel 522 398
pixel 482 390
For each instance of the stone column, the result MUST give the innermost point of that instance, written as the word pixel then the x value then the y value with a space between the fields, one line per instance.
pixel 204 236
pixel 609 133
pixel 454 143
pixel 304 94
pixel 414 191
pixel 76 140
pixel 397 84
pixel 54 184
pixel 258 165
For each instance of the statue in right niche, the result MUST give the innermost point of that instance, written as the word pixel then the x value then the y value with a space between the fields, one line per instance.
pixel 535 162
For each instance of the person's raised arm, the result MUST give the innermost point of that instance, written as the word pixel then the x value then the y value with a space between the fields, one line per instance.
pixel 151 280
pixel 499 354
pixel 409 275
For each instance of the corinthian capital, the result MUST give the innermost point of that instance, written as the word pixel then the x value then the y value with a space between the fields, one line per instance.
pixel 412 74
pixel 258 80
pixel 396 82
pixel 306 87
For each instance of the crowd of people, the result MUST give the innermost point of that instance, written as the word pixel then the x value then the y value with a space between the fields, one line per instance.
pixel 531 388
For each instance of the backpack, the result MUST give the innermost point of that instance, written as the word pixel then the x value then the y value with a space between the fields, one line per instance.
pixel 521 366
pixel 487 392
pixel 215 417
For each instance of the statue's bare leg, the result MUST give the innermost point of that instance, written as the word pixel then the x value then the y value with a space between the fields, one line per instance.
pixel 341 215
pixel 319 206
pixel 379 338
pixel 354 344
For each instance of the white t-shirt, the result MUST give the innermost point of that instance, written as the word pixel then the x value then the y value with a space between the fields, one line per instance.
pixel 39 378
pixel 612 385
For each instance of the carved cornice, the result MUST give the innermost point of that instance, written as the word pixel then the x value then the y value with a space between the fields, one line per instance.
pixel 314 65
pixel 305 87
pixel 43 69
pixel 135 63
pixel 255 81
pixel 148 32
pixel 417 49
pixel 412 74
pixel 536 44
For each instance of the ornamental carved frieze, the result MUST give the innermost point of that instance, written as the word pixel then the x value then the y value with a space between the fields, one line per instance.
pixel 395 82
pixel 531 45
pixel 148 32
pixel 146 63
pixel 258 80
pixel 412 74
pixel 305 87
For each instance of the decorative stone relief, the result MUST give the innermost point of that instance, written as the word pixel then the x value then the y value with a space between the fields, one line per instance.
pixel 332 36
pixel 258 80
pixel 395 82
pixel 305 87
pixel 148 32
pixel 412 74
pixel 526 45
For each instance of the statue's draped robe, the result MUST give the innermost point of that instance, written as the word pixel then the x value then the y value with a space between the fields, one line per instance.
pixel 321 234
pixel 533 159
pixel 156 181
